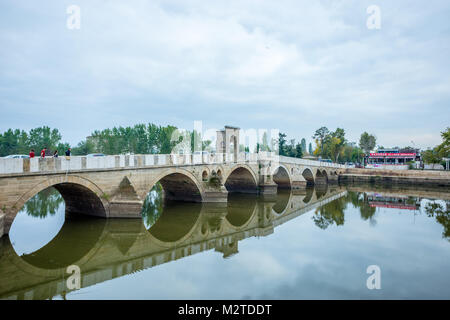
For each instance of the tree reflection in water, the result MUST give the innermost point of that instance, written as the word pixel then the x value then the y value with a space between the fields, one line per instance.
pixel 153 206
pixel 330 213
pixel 46 202
pixel 333 212
pixel 436 210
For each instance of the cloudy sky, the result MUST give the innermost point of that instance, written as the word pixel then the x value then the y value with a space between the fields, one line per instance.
pixel 288 65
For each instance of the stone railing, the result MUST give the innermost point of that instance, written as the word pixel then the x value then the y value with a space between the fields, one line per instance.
pixel 79 163
pixel 313 163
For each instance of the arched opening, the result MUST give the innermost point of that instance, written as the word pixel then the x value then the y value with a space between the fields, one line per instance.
pixel 309 177
pixel 80 200
pixel 281 178
pixel 321 177
pixel 180 187
pixel 241 181
pixel 164 199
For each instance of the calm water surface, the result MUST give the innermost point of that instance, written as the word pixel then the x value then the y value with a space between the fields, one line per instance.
pixel 314 244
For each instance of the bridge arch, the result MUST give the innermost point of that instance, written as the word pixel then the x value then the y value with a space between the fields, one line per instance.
pixel 241 179
pixel 308 176
pixel 321 177
pixel 80 195
pixel 179 185
pixel 282 177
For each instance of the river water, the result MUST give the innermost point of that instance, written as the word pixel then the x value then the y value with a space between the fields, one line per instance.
pixel 335 242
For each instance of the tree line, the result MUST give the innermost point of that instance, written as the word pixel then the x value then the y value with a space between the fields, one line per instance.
pixel 154 139
pixel 21 142
pixel 141 139
pixel 334 145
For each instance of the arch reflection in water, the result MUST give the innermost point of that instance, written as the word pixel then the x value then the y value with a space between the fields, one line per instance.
pixel 38 222
pixel 109 249
pixel 282 202
pixel 42 218
pixel 240 208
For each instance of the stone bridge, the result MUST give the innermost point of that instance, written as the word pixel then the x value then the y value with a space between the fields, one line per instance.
pixel 113 248
pixel 116 186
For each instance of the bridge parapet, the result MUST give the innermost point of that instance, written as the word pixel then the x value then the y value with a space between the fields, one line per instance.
pixel 81 163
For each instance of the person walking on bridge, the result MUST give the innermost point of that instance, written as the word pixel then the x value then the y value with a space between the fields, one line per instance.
pixel 43 152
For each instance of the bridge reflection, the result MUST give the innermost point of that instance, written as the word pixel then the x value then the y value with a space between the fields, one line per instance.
pixel 107 249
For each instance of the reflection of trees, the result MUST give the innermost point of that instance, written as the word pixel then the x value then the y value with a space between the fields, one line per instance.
pixel 153 206
pixel 359 200
pixel 442 215
pixel 331 213
pixel 367 212
pixel 45 202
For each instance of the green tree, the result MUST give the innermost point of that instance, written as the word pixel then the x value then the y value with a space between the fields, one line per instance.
pixel 431 156
pixel 367 142
pixel 282 144
pixel 83 148
pixel 44 137
pixel 320 135
pixel 13 142
pixel 310 150
pixel 336 143
pixel 299 151
pixel 444 148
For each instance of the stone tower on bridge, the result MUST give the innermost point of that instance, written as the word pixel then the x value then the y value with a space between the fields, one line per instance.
pixel 227 141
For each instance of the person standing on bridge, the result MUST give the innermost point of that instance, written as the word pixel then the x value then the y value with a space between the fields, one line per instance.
pixel 31 153
pixel 68 152
pixel 43 152
pixel 55 154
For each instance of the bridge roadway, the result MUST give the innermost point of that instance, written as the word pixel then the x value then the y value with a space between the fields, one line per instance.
pixel 116 186
pixel 114 248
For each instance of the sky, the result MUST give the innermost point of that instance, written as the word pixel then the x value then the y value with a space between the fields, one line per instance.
pixel 289 65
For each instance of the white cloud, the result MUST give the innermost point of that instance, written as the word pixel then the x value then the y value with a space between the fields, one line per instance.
pixel 289 65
